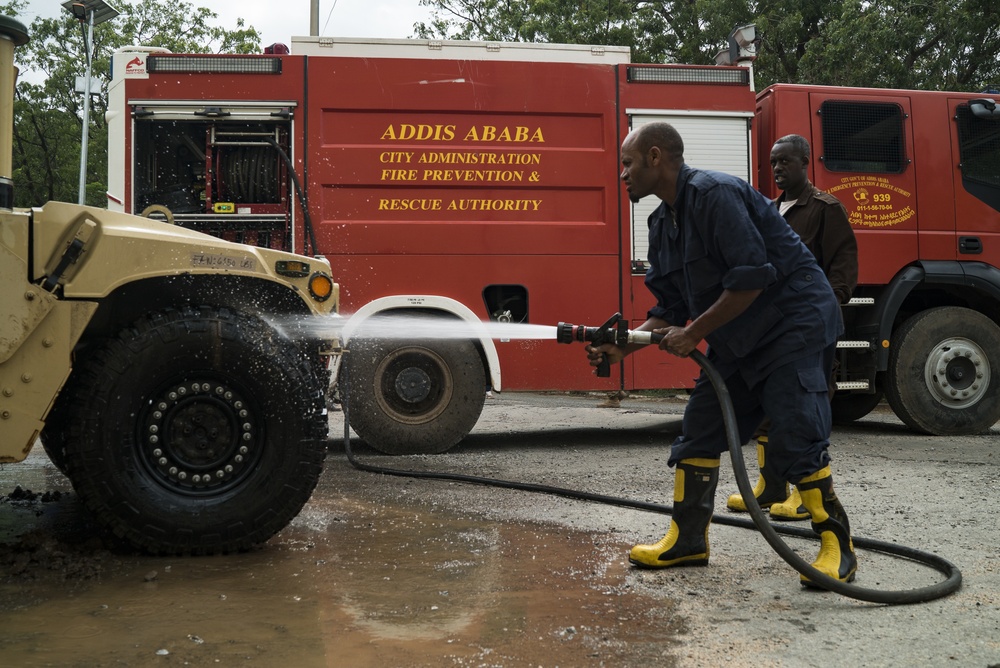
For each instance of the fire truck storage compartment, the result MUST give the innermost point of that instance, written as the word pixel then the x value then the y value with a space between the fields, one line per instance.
pixel 216 170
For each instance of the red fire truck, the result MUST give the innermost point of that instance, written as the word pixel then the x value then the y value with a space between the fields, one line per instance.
pixel 479 181
pixel 919 174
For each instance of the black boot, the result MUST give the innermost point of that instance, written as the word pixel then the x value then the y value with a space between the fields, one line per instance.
pixel 836 553
pixel 686 543
pixel 769 488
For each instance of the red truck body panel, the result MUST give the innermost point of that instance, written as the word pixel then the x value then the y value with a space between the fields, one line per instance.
pixel 446 177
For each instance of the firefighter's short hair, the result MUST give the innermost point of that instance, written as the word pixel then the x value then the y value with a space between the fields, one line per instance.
pixel 662 135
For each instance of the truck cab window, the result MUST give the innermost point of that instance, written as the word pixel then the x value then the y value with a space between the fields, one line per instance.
pixel 863 137
pixel 979 153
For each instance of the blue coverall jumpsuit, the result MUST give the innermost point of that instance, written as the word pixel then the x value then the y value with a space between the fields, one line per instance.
pixel 775 356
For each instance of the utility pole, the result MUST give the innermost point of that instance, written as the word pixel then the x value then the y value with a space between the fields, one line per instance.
pixel 89 13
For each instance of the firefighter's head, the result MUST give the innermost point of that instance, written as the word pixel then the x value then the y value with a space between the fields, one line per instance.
pixel 790 164
pixel 652 156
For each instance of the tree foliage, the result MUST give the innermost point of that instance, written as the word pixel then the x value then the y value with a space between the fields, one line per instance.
pixel 926 44
pixel 48 113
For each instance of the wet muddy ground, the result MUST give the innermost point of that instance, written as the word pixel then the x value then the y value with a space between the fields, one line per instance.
pixel 352 583
pixel 392 571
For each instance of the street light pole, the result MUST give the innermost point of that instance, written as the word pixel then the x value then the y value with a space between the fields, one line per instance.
pixel 86 109
pixel 91 12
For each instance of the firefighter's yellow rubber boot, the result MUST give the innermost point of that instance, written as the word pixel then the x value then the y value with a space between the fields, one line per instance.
pixel 836 553
pixel 769 489
pixel 791 508
pixel 686 543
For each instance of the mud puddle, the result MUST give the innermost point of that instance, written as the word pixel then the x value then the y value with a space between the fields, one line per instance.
pixel 352 582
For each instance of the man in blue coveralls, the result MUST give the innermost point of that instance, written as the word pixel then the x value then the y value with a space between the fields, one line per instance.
pixel 726 267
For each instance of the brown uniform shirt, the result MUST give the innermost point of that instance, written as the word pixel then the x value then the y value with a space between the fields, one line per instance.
pixel 821 221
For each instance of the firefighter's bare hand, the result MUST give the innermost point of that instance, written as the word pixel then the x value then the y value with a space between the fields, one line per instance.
pixel 677 341
pixel 597 353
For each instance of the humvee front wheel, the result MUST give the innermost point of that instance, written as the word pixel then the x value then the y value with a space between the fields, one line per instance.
pixel 56 430
pixel 196 431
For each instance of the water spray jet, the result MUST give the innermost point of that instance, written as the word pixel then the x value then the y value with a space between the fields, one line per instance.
pixel 407 327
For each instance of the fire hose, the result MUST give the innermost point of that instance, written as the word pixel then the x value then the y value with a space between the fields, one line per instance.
pixel 615 331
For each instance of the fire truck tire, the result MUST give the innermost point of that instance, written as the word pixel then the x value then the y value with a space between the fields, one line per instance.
pixel 414 397
pixel 944 372
pixel 196 431
pixel 848 408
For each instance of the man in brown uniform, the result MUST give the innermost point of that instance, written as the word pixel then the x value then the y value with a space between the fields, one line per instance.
pixel 821 221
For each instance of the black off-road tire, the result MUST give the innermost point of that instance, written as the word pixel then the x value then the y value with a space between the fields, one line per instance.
pixel 414 397
pixel 196 431
pixel 56 431
pixel 944 372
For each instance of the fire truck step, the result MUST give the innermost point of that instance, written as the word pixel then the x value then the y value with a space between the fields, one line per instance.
pixel 852 385
pixel 854 344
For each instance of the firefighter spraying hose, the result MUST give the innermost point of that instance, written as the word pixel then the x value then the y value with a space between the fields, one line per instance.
pixel 615 331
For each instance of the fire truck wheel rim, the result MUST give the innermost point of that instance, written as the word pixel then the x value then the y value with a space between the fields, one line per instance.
pixel 415 385
pixel 957 373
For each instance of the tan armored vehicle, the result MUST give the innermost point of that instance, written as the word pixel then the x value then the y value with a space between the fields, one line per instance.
pixel 142 355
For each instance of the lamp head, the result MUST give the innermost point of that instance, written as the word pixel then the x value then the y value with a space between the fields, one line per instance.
pixel 743 43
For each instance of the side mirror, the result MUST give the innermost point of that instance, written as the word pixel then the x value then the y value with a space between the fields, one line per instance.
pixel 985 108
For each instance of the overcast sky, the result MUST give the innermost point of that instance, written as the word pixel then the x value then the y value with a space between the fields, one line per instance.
pixel 279 21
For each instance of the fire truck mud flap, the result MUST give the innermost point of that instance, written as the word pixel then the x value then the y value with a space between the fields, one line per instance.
pixel 944 372
pixel 197 431
pixel 847 408
pixel 418 396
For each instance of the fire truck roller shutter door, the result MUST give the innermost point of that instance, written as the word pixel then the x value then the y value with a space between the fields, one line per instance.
pixel 711 141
